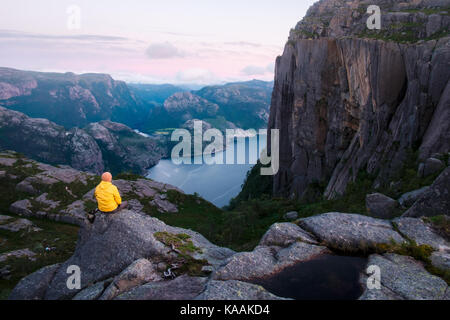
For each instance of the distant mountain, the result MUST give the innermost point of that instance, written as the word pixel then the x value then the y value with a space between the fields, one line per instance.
pixel 68 99
pixel 154 93
pixel 246 104
pixel 74 100
pixel 242 104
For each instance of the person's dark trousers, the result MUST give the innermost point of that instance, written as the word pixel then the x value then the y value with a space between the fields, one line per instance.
pixel 122 206
pixel 91 215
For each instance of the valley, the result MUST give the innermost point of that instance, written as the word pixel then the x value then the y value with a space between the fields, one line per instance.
pixel 358 210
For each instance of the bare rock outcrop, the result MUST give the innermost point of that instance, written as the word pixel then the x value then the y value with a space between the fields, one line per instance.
pixel 403 278
pixel 435 201
pixel 381 206
pixel 351 232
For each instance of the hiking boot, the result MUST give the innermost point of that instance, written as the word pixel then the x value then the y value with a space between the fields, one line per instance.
pixel 91 218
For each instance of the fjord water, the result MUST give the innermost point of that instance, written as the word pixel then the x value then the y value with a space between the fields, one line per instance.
pixel 217 183
pixel 329 277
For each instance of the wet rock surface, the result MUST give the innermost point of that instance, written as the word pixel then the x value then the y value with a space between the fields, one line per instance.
pixel 266 261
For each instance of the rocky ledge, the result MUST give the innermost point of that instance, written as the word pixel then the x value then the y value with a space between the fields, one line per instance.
pixel 130 256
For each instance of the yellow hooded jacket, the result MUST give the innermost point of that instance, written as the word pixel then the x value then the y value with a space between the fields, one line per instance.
pixel 108 196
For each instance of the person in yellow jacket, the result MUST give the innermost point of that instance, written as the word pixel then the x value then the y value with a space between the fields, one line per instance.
pixel 108 196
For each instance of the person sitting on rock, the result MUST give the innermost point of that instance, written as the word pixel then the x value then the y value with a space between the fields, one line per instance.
pixel 108 196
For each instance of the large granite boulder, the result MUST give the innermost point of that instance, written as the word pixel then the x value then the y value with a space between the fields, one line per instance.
pixel 435 201
pixel 409 198
pixel 182 288
pixel 417 230
pixel 266 261
pixel 34 286
pixel 235 290
pixel 139 272
pixel 432 166
pixel 403 278
pixel 113 243
pixel 381 206
pixel 441 260
pixel 350 232
pixel 284 234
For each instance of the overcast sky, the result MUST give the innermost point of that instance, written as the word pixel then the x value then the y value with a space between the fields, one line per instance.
pixel 166 41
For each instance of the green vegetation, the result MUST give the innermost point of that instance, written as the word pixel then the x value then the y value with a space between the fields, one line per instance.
pixel 219 123
pixel 441 224
pixel 418 252
pixel 402 33
pixel 60 238
pixel 429 11
pixel 184 247
pixel 254 186
pixel 129 176
pixel 407 177
pixel 65 193
pixel 20 170
pixel 304 33
pixel 179 241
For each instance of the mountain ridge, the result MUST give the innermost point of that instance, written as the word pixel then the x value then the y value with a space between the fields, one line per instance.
pixel 100 146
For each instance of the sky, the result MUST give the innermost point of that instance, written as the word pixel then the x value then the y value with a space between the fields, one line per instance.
pixel 148 41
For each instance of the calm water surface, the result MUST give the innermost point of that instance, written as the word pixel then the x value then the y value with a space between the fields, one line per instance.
pixel 327 278
pixel 215 183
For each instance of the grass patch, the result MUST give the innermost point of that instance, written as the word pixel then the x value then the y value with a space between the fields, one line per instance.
pixel 60 237
pixel 408 178
pixel 180 242
pixel 128 176
pixel 418 252
pixel 184 247
pixel 429 11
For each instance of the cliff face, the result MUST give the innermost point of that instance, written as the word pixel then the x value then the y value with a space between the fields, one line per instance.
pixel 348 99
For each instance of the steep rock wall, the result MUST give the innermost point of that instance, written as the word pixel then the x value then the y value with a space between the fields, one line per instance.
pixel 344 103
